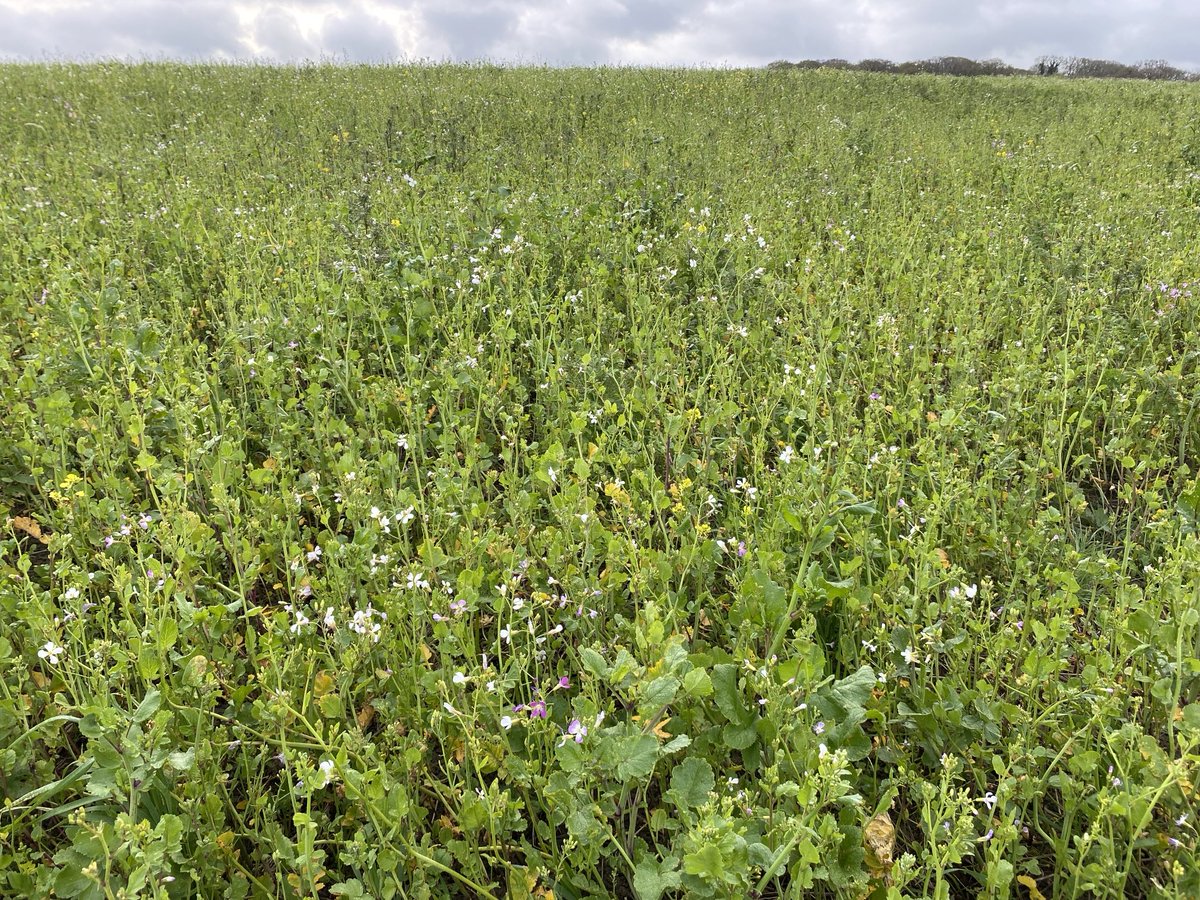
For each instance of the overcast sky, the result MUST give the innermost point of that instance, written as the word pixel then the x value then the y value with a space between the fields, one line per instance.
pixel 583 32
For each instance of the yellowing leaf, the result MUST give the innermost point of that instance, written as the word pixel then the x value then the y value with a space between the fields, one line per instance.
pixel 1034 893
pixel 943 557
pixel 322 684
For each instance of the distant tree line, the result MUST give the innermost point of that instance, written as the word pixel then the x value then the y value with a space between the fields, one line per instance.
pixel 1046 66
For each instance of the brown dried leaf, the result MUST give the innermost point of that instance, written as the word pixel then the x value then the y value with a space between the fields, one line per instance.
pixel 365 716
pixel 879 840
pixel 30 527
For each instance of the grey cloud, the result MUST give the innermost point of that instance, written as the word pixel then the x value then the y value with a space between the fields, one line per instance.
pixel 664 32
pixel 144 28
pixel 276 31
pixel 364 39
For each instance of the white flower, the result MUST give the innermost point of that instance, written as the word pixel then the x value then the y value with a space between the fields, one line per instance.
pixel 71 593
pixel 328 771
pixel 417 580
pixel 971 590
pixel 459 678
pixel 746 488
pixel 405 515
pixel 553 475
pixel 506 722
pixel 402 441
pixel 363 622
pixel 787 455
pixel 329 622
pixel 301 619
pixel 315 553
pixel 909 655
pixel 51 652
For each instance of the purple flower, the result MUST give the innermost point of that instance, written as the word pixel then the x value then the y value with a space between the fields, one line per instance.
pixel 819 728
pixel 537 709
pixel 577 730
pixel 875 395
pixel 741 550
pixel 564 682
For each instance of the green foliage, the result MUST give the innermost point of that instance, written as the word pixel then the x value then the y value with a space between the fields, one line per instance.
pixel 436 482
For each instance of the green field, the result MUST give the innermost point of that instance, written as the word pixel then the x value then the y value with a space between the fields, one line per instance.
pixel 473 482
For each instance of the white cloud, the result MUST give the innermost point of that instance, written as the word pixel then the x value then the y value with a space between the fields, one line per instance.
pixel 580 32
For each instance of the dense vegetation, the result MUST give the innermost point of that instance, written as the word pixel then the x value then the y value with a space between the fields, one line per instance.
pixel 466 482
pixel 1065 66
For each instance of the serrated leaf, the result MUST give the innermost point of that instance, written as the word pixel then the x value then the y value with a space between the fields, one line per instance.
pixel 638 754
pixel 593 662
pixel 652 878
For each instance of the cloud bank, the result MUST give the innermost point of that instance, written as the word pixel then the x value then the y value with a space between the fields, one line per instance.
pixel 609 32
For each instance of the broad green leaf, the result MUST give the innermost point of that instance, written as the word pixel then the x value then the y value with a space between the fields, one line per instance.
pixel 692 781
pixel 639 753
pixel 652 878
pixel 148 707
pixel 706 863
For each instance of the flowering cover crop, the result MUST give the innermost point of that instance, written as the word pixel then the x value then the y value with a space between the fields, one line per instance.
pixel 467 482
